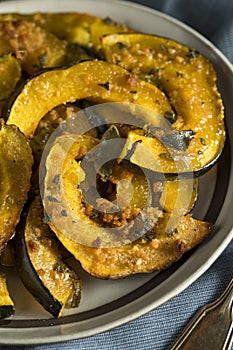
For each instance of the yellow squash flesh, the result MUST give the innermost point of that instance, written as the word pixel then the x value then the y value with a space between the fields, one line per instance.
pixel 39 261
pixel 81 28
pixel 157 249
pixel 6 303
pixel 15 170
pixel 188 79
pixel 35 47
pixel 46 127
pixel 98 80
pixel 144 256
pixel 10 72
pixel 179 195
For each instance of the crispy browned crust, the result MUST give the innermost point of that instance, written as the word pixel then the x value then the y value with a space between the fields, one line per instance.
pixel 143 256
pixel 32 45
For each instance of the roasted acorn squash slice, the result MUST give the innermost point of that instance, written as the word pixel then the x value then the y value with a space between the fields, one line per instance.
pixel 188 79
pixel 69 187
pixel 35 47
pixel 39 262
pixel 10 72
pixel 6 304
pixel 162 153
pixel 92 79
pixel 15 169
pixel 81 28
pixel 6 258
pixel 156 248
pixel 179 195
pixel 157 251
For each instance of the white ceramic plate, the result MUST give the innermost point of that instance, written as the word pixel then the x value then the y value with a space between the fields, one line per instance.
pixel 106 304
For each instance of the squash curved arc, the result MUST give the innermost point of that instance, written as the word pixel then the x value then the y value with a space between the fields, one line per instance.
pixel 90 75
pixel 143 255
pixel 74 27
pixel 29 238
pixel 29 276
pixel 10 70
pixel 179 195
pixel 189 81
pixel 16 169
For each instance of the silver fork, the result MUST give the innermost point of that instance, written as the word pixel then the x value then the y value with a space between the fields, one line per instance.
pixel 212 327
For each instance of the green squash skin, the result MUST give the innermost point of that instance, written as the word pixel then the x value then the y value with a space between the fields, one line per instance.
pixel 6 311
pixel 187 78
pixel 7 308
pixel 29 276
pixel 39 93
pixel 16 169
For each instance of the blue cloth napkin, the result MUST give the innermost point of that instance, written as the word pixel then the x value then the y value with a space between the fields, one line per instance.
pixel 159 328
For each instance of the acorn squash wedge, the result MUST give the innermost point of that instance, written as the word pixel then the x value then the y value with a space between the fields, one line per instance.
pixel 37 257
pixel 158 241
pixel 156 251
pixel 10 71
pixel 16 165
pixel 68 185
pixel 179 195
pixel 188 79
pixel 93 79
pixel 35 47
pixel 6 304
pixel 164 151
pixel 74 27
